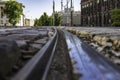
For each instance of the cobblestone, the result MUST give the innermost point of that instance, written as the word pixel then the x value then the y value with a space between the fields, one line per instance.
pixel 105 40
pixel 28 41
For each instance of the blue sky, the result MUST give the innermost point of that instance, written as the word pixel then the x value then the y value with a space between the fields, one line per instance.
pixel 35 8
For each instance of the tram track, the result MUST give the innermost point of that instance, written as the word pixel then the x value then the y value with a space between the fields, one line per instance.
pixel 66 57
pixel 52 62
pixel 37 68
pixel 35 47
pixel 61 68
pixel 88 63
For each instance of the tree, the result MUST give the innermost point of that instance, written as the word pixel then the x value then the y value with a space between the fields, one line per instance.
pixel 57 19
pixel 41 21
pixel 50 20
pixel 44 20
pixel 116 17
pixel 36 22
pixel 13 10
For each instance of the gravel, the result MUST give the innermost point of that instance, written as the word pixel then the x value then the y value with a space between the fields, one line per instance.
pixel 60 68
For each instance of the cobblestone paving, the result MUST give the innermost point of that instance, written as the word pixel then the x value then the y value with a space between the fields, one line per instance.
pixel 18 46
pixel 105 40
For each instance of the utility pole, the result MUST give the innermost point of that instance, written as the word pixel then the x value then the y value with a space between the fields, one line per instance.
pixel 115 3
pixel 61 5
pixel 61 12
pixel 67 5
pixel 23 20
pixel 53 13
pixel 67 13
pixel 71 13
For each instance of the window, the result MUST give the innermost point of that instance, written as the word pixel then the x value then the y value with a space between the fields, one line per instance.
pixel 1 21
pixel 98 1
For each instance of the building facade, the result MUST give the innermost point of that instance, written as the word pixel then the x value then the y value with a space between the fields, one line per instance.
pixel 66 17
pixel 29 22
pixel 4 21
pixel 3 18
pixel 97 12
pixel 21 21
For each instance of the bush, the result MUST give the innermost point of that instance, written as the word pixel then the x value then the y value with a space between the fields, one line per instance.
pixel 115 17
pixel 117 24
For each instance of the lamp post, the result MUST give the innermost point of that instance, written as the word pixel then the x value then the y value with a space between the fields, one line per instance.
pixel 53 13
pixel 61 12
pixel 23 20
pixel 71 14
pixel 67 16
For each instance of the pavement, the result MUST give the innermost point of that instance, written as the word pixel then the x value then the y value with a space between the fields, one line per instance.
pixel 103 31
pixel 88 63
pixel 106 40
pixel 18 45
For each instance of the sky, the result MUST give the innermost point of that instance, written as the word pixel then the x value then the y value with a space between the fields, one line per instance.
pixel 35 8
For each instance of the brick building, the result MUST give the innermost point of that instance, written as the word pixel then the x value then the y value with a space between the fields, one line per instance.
pixel 97 12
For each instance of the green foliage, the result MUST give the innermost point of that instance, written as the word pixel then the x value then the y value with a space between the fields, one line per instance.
pixel 13 10
pixel 50 20
pixel 116 17
pixel 46 20
pixel 57 19
pixel 36 22
pixel 117 24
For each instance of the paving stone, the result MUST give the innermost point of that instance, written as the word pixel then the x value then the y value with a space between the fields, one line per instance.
pixel 105 40
pixel 30 39
pixel 37 46
pixel 50 34
pixel 115 53
pixel 27 56
pixel 9 54
pixel 100 49
pixel 21 43
pixel 116 61
pixel 94 45
pixel 27 52
pixel 41 41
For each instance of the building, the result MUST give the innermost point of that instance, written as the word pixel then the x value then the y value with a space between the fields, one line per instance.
pixel 66 17
pixel 21 21
pixel 4 21
pixel 3 18
pixel 76 18
pixel 97 12
pixel 29 22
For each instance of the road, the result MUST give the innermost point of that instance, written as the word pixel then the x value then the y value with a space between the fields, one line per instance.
pixel 87 63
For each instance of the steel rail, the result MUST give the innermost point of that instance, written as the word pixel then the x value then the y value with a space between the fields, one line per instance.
pixel 10 29
pixel 88 63
pixel 37 68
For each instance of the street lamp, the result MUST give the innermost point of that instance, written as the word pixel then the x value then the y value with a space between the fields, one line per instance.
pixel 53 13
pixel 71 14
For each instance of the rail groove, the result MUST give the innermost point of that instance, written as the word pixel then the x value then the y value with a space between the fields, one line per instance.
pixel 37 68
pixel 88 64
